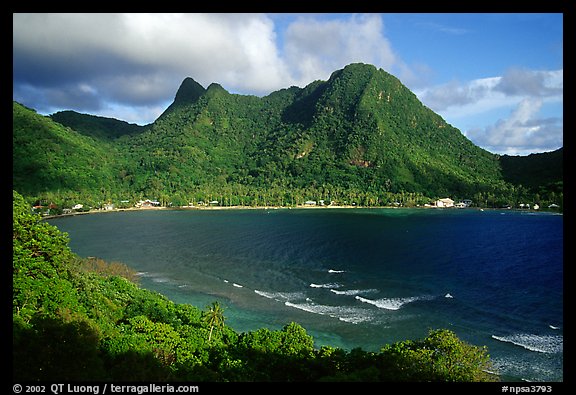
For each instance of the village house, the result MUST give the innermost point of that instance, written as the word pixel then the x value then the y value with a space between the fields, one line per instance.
pixel 147 203
pixel 445 202
pixel 463 203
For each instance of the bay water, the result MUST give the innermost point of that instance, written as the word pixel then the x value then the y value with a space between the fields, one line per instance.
pixel 356 277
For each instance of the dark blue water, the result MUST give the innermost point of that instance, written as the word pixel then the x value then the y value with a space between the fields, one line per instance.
pixel 357 278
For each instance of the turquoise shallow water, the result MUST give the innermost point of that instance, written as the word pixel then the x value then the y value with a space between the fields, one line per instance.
pixel 359 277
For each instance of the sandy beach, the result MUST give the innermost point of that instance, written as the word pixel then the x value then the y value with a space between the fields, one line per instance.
pixel 184 208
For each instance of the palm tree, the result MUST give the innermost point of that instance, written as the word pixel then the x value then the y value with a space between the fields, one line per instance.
pixel 214 317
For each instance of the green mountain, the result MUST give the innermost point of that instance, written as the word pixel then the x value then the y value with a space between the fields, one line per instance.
pixel 359 138
pixel 97 127
pixel 535 170
pixel 51 158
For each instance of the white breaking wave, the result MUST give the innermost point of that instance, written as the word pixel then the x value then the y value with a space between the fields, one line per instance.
pixel 335 271
pixel 234 284
pixel 346 314
pixel 160 279
pixel 328 285
pixel 353 292
pixel 539 343
pixel 299 300
pixel 392 303
pixel 281 296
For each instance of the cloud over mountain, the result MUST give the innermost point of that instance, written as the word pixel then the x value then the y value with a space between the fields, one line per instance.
pixel 90 60
pixel 128 66
pixel 525 93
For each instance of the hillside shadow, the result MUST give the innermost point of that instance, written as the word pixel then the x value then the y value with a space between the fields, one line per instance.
pixel 303 108
pixel 53 350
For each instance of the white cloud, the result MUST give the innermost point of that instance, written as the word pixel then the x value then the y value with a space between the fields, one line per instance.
pixel 523 132
pixel 132 114
pixel 143 57
pixel 487 93
pixel 134 63
pixel 315 48
pixel 523 91
pixel 235 50
pixel 514 130
pixel 523 82
pixel 140 59
pixel 455 94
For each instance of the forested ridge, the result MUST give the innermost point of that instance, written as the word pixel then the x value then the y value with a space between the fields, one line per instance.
pixel 86 319
pixel 360 138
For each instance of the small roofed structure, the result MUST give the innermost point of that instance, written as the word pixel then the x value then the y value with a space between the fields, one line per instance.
pixel 445 202
pixel 148 203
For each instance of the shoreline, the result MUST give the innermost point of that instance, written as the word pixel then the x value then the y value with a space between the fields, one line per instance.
pixel 220 208
pixel 209 208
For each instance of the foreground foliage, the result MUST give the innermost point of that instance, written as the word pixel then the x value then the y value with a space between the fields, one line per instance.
pixel 77 319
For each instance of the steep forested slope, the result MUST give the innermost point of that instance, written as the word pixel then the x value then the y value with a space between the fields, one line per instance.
pixel 360 137
pixel 49 158
pixel 97 127
pixel 534 170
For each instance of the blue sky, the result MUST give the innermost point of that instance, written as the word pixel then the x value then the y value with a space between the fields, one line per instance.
pixel 496 77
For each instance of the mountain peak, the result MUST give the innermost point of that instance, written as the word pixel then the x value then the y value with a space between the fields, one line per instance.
pixel 354 69
pixel 215 88
pixel 360 67
pixel 189 91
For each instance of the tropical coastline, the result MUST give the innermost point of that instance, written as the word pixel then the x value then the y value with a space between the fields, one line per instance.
pixel 298 207
pixel 351 280
pixel 199 208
